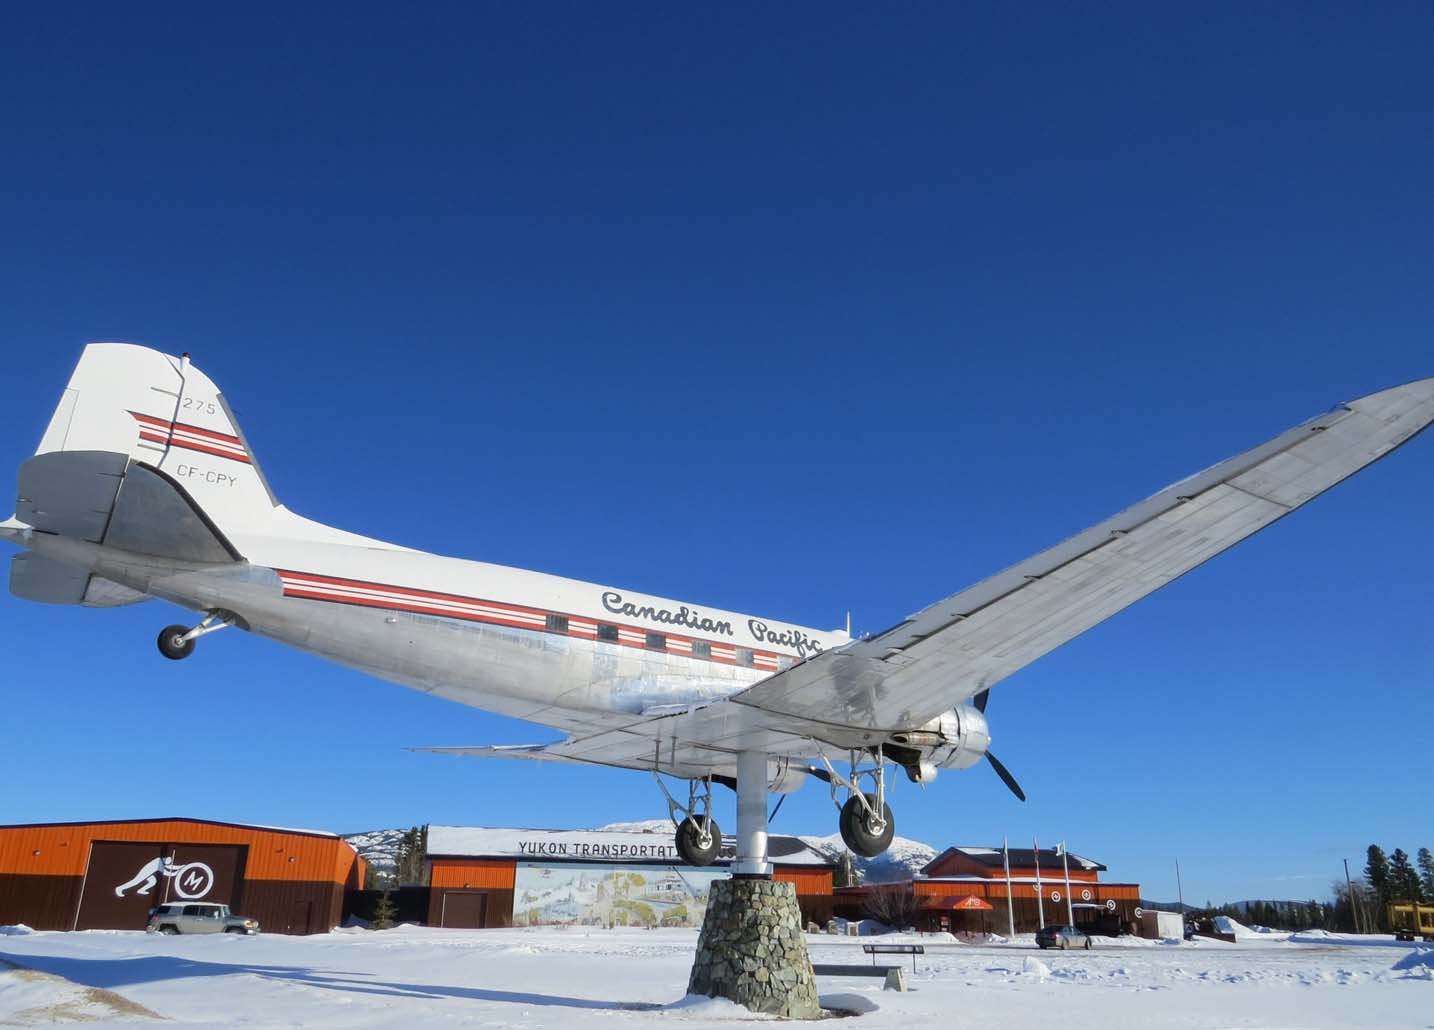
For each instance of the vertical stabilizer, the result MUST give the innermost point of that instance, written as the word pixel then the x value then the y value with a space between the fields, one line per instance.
pixel 162 411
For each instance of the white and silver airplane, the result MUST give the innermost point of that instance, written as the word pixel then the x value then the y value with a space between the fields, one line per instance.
pixel 144 487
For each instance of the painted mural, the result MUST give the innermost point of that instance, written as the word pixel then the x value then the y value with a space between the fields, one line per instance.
pixel 608 895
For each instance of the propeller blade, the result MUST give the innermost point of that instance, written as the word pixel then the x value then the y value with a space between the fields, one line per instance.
pixel 1006 776
pixel 980 700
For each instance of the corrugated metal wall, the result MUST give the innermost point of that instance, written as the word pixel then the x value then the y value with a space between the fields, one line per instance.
pixel 292 881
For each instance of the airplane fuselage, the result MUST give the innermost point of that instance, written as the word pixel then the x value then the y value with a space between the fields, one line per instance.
pixel 550 650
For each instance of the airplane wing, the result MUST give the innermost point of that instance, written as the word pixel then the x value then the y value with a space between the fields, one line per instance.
pixel 857 695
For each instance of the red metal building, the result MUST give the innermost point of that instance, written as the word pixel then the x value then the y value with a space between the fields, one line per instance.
pixel 108 875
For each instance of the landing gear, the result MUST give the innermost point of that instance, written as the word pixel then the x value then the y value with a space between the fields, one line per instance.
pixel 176 642
pixel 699 838
pixel 866 823
pixel 698 844
pixel 861 830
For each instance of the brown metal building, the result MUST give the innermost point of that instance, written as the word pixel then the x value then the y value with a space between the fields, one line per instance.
pixel 487 877
pixel 966 889
pixel 107 875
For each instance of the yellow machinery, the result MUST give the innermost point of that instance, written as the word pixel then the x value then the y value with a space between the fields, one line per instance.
pixel 1410 919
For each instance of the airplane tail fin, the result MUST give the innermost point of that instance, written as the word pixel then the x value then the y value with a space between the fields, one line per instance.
pixel 137 405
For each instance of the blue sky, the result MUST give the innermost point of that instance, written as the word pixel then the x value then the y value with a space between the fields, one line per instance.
pixel 788 310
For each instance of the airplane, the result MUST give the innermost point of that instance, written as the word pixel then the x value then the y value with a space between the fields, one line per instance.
pixel 144 486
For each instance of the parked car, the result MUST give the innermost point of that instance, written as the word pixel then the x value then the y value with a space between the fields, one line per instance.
pixel 199 917
pixel 1063 937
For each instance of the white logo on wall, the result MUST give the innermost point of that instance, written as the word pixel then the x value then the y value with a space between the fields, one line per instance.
pixel 190 881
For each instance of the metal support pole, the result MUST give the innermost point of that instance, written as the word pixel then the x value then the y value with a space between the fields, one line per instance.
pixel 752 815
pixel 1179 889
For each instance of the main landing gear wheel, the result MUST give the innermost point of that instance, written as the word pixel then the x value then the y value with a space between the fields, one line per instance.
pixel 695 846
pixel 858 829
pixel 173 643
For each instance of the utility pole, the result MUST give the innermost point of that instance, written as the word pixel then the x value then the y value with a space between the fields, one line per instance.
pixel 1010 906
pixel 1179 889
pixel 1070 911
pixel 1349 889
pixel 1040 902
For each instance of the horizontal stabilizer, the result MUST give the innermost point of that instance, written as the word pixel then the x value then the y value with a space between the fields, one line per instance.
pixel 37 578
pixel 70 493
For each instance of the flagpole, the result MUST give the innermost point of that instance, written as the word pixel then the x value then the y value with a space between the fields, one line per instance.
pixel 1010 909
pixel 1040 902
pixel 1066 858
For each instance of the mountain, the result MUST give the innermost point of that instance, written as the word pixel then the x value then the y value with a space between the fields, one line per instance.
pixel 379 848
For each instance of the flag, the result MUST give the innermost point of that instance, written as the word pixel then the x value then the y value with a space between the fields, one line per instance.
pixel 1061 848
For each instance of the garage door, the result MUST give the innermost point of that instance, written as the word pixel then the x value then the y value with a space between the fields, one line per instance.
pixel 124 880
pixel 465 910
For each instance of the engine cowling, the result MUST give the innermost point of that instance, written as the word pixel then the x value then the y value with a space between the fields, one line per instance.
pixel 957 739
pixel 785 775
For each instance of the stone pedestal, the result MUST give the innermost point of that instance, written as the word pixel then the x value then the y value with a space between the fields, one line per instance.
pixel 752 950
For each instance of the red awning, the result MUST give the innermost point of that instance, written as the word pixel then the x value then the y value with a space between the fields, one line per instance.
pixel 970 903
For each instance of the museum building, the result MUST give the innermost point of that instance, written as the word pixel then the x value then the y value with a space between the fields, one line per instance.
pixel 967 889
pixel 108 875
pixel 487 877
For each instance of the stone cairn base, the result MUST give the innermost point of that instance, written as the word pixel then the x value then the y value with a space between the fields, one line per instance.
pixel 752 951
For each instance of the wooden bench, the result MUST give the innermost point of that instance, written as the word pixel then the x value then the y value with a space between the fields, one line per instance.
pixel 895 949
pixel 895 975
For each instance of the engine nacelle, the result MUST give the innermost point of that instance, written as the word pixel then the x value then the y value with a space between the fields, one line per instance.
pixel 784 775
pixel 957 739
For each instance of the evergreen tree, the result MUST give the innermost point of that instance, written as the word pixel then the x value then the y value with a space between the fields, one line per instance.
pixel 1403 880
pixel 1376 872
pixel 385 910
pixel 1426 873
pixel 408 860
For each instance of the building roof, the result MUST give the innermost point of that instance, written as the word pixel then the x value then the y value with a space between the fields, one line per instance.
pixel 172 819
pixel 595 846
pixel 1021 858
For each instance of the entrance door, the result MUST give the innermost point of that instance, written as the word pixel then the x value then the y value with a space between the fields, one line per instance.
pixel 465 910
pixel 301 917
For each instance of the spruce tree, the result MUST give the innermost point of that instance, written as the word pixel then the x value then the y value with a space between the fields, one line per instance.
pixel 385 910
pixel 1426 873
pixel 1376 872
pixel 1403 880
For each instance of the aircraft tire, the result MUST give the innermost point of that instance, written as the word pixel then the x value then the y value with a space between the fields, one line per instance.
pixel 689 843
pixel 171 646
pixel 855 833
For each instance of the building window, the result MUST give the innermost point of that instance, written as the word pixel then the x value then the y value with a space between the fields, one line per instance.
pixel 785 661
pixel 558 623
pixel 607 632
pixel 745 656
pixel 701 649
pixel 657 641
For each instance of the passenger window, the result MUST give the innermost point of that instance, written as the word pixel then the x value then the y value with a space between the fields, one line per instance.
pixel 744 656
pixel 701 649
pixel 194 910
pixel 657 642
pixel 606 632
pixel 557 623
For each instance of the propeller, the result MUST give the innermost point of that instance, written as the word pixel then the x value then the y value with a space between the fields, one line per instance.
pixel 979 701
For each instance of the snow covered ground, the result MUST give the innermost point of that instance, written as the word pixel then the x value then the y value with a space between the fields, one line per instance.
pixel 624 979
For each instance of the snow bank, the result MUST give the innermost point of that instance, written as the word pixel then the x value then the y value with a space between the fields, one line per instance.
pixel 19 929
pixel 1417 965
pixel 699 1006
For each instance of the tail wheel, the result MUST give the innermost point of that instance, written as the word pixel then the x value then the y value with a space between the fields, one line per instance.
pixel 857 831
pixel 696 847
pixel 173 645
